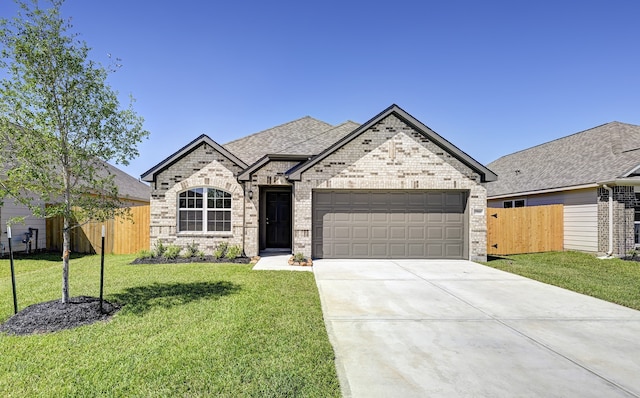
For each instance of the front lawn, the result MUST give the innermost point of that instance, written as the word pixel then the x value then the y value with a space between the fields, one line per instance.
pixel 184 330
pixel 613 280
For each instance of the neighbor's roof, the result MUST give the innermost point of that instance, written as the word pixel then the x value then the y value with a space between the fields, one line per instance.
pixel 128 186
pixel 277 139
pixel 604 153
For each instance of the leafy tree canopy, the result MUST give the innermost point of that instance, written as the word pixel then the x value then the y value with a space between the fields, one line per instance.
pixel 59 122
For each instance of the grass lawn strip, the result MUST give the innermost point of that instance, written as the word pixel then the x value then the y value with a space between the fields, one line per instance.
pixel 612 280
pixel 184 330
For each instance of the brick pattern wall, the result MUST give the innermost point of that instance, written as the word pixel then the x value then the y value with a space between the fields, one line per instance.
pixel 270 175
pixel 203 167
pixel 623 220
pixel 391 155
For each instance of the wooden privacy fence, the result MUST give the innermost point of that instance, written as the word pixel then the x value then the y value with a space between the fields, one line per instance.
pixel 122 235
pixel 518 230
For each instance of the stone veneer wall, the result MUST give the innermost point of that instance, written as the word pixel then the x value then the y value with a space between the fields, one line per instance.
pixel 623 220
pixel 391 155
pixel 202 167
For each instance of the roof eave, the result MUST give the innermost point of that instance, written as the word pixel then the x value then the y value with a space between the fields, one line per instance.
pixel 149 175
pixel 542 191
pixel 246 174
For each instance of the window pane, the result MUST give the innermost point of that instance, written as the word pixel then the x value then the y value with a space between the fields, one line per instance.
pixel 190 220
pixel 183 202
pixel 227 204
pixel 508 205
pixel 519 203
pixel 219 221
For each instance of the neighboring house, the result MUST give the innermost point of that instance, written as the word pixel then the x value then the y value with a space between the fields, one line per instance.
pixel 389 188
pixel 132 191
pixel 593 173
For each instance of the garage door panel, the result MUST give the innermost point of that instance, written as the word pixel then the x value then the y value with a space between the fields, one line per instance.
pixel 416 233
pixel 435 233
pixel 397 233
pixel 389 224
pixel 453 233
pixel 453 250
pixel 381 232
pixel 379 217
pixel 397 250
pixel 342 232
pixel 416 250
pixel 360 217
pixel 434 250
pixel 379 250
pixel 360 232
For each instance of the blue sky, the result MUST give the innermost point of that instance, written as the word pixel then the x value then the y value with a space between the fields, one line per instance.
pixel 492 77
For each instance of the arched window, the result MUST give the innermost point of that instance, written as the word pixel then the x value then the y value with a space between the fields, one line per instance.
pixel 204 209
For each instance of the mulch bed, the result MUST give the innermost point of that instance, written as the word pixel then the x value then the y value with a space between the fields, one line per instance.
pixel 179 260
pixel 53 316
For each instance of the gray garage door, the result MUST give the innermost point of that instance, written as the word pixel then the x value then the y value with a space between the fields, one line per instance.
pixel 389 224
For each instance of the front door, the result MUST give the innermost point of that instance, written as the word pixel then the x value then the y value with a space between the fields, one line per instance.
pixel 278 219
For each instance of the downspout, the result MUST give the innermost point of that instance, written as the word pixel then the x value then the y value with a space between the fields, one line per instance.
pixel 610 190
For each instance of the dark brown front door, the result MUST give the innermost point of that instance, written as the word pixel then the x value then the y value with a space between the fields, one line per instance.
pixel 278 220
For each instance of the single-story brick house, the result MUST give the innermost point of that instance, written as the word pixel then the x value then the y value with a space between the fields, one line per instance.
pixel 595 174
pixel 389 188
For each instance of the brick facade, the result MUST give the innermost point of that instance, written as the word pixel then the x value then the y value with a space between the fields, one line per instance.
pixel 202 167
pixel 623 220
pixel 391 155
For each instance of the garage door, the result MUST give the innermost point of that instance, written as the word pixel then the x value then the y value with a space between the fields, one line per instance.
pixel 389 224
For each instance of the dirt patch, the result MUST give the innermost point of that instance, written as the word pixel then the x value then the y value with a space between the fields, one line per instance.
pixel 53 316
pixel 179 260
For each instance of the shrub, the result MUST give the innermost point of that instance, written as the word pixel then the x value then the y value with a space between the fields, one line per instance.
pixel 220 250
pixel 299 257
pixel 191 250
pixel 171 252
pixel 201 255
pixel 142 254
pixel 233 252
pixel 159 249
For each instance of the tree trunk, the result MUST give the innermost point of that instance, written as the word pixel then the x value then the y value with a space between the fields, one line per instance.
pixel 66 242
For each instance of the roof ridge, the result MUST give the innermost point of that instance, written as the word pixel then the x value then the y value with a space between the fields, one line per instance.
pixel 332 128
pixel 275 127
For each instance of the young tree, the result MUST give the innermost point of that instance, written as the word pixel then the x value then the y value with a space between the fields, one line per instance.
pixel 59 122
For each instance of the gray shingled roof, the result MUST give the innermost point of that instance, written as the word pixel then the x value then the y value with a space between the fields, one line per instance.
pixel 597 155
pixel 315 144
pixel 276 139
pixel 128 186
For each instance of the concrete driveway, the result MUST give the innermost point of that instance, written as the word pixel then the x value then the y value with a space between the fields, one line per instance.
pixel 432 328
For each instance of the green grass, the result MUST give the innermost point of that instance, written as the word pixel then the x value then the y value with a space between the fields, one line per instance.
pixel 614 280
pixel 185 330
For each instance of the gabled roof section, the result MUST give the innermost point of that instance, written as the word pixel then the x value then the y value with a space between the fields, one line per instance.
pixel 276 139
pixel 150 174
pixel 246 174
pixel 603 153
pixel 485 173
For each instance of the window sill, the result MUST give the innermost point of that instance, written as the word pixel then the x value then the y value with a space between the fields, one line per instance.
pixel 195 234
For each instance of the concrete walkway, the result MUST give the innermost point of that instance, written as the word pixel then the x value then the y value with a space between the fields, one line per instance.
pixel 459 329
pixel 277 262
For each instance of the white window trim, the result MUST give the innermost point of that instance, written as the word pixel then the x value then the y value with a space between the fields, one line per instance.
pixel 205 210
